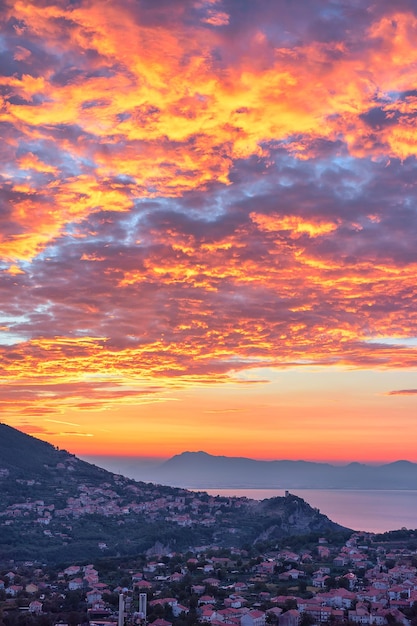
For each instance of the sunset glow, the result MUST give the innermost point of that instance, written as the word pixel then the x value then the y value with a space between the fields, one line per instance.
pixel 209 226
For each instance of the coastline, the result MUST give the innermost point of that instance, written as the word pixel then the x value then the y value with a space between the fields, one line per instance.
pixel 367 510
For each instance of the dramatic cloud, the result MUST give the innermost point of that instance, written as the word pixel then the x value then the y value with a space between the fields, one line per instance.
pixel 192 189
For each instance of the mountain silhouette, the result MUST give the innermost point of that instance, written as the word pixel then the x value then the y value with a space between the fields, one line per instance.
pixel 200 470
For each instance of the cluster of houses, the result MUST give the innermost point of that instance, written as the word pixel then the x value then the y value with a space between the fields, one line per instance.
pixel 182 507
pixel 360 583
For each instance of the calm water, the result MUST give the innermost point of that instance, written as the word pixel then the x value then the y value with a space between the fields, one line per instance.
pixel 374 511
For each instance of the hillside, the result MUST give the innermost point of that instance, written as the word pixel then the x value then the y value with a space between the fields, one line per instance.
pixel 199 470
pixel 23 455
pixel 56 507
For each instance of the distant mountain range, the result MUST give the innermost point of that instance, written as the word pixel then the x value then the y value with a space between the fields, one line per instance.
pixel 55 507
pixel 199 470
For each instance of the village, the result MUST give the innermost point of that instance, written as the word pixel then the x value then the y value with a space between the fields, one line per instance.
pixel 362 581
pixel 182 507
pixel 80 545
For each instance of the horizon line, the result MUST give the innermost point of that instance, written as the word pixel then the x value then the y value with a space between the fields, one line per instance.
pixel 162 459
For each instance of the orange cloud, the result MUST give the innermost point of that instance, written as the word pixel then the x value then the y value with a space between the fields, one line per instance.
pixel 198 191
pixel 162 109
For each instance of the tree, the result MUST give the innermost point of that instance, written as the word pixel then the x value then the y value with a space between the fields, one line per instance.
pixel 74 618
pixel 290 603
pixel 302 586
pixel 307 619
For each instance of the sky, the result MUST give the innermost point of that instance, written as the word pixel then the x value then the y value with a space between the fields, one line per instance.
pixel 208 227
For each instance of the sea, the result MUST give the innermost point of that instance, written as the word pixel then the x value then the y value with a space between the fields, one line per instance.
pixel 369 510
